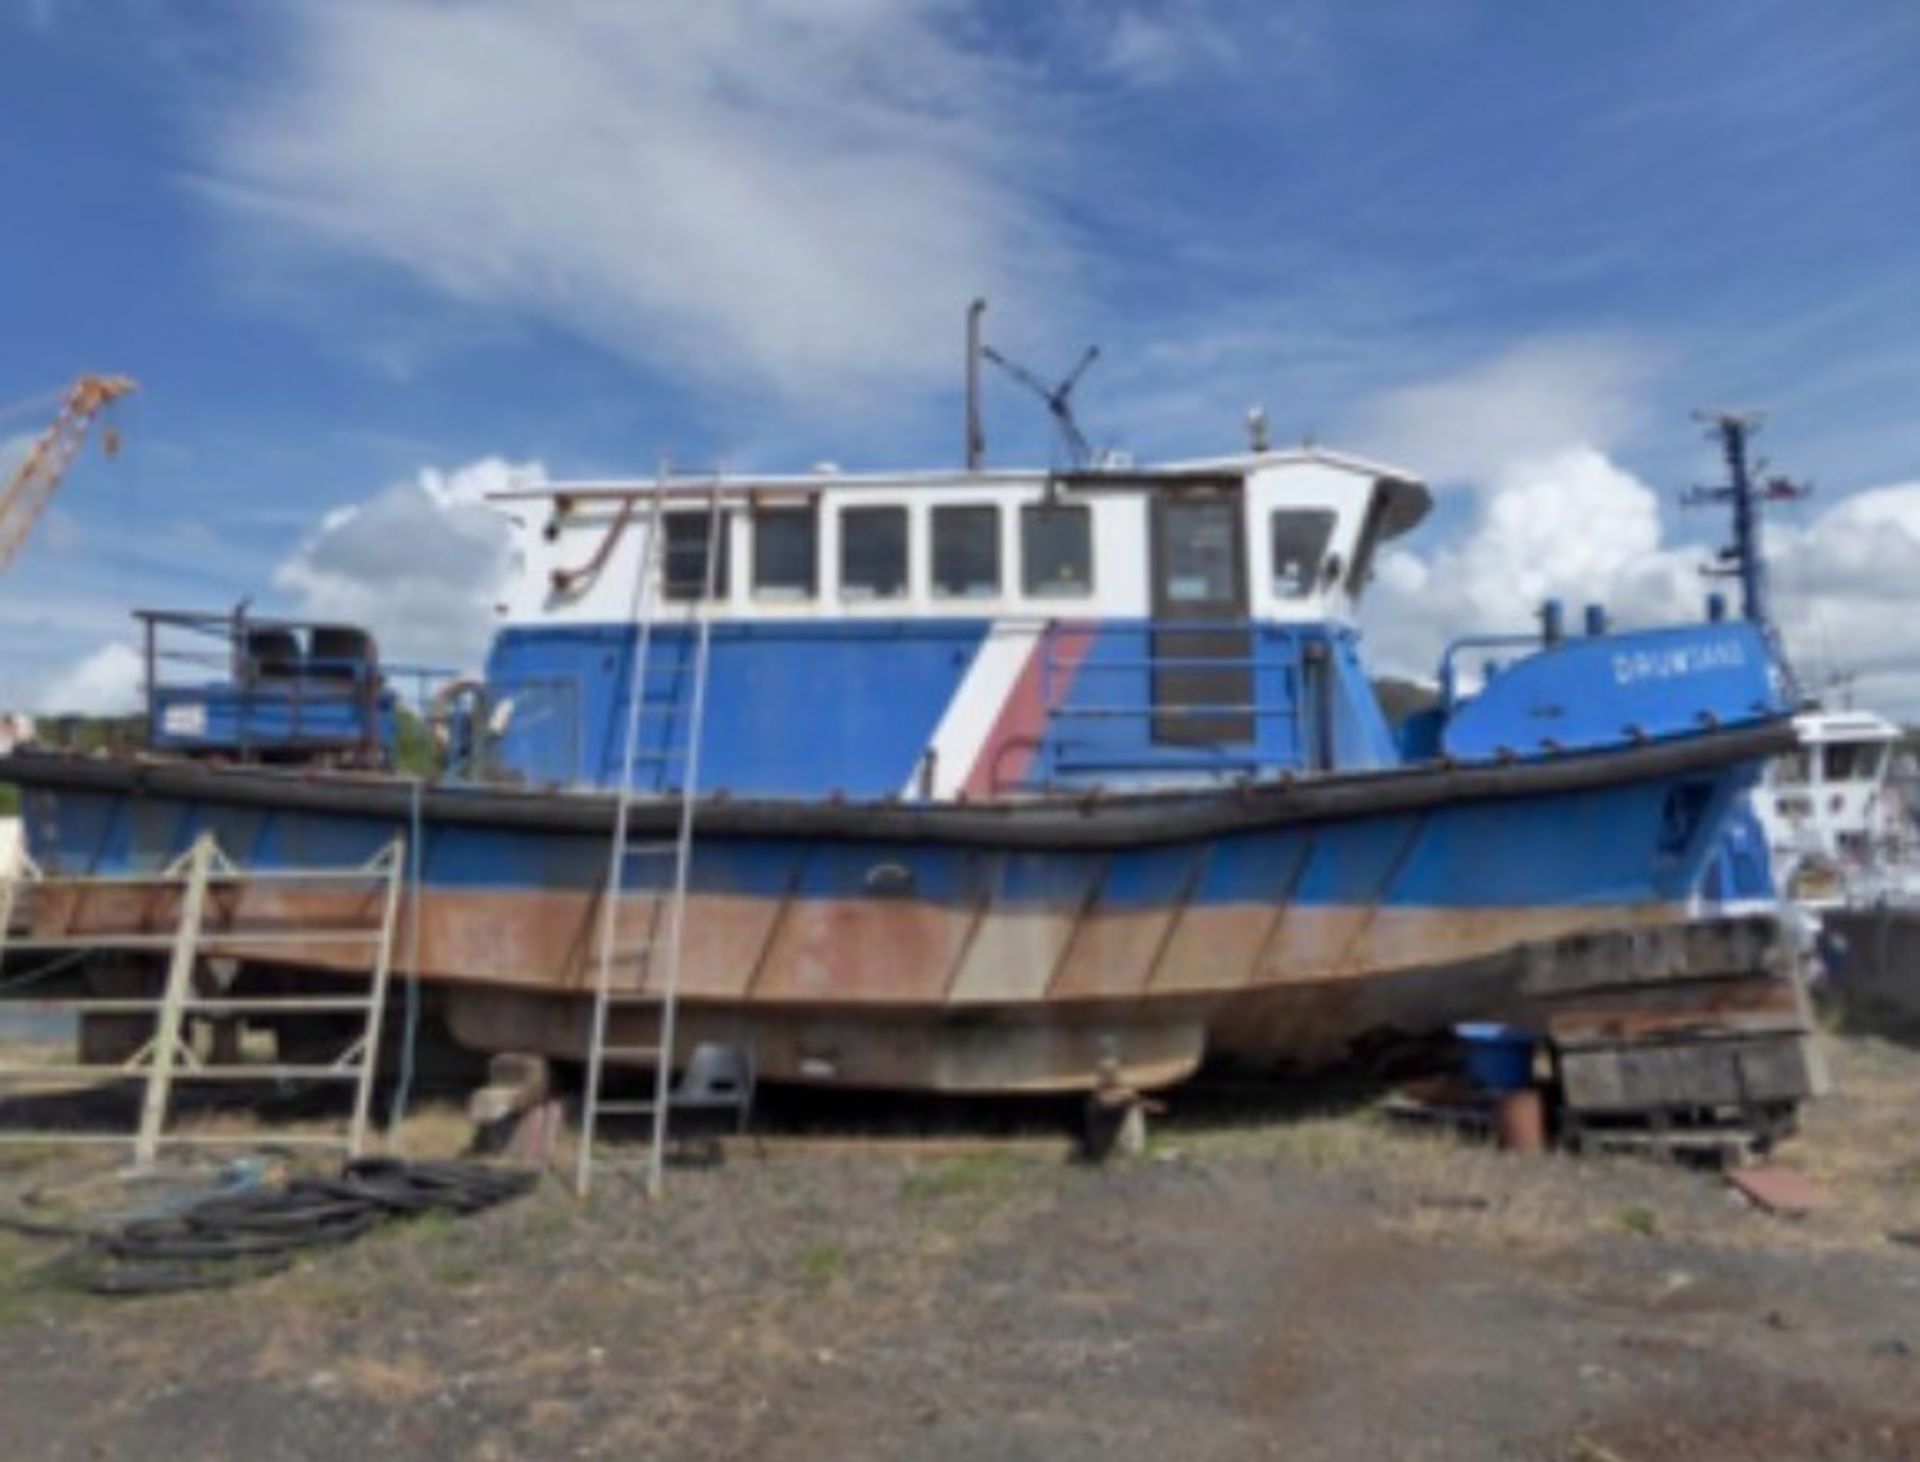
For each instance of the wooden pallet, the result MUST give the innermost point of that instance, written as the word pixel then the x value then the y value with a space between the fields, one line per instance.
pixel 1694 1040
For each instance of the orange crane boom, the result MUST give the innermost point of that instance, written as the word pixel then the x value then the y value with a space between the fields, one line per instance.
pixel 33 484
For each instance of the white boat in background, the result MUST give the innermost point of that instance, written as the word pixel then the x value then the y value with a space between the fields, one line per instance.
pixel 15 730
pixel 1838 829
pixel 1845 846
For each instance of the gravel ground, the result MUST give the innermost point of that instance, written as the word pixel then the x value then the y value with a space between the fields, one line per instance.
pixel 1322 1286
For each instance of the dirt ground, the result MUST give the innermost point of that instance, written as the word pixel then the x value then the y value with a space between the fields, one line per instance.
pixel 1306 1285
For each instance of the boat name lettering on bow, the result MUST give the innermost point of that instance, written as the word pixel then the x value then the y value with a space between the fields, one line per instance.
pixel 1681 661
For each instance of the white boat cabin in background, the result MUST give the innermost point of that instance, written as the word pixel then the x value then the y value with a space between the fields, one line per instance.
pixel 1837 827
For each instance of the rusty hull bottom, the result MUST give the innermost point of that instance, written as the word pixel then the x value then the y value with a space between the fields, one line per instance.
pixel 1301 1028
pixel 855 953
pixel 976 1052
pixel 917 995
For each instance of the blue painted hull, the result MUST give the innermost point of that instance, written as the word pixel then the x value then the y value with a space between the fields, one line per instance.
pixel 973 948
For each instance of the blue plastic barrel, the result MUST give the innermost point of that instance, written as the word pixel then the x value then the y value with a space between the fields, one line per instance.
pixel 1499 1057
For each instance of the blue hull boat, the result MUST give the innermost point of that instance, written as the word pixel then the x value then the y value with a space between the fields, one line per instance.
pixel 1009 782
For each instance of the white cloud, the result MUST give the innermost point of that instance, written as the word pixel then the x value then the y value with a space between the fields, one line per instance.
pixel 1575 525
pixel 421 564
pixel 1571 525
pixel 1157 43
pixel 783 193
pixel 1552 514
pixel 1847 589
pixel 104 683
pixel 1161 44
pixel 1525 405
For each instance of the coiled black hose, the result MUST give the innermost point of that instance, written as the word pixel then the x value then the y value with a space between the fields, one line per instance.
pixel 229 1237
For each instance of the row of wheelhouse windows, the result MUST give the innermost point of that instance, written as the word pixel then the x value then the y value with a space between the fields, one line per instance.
pixel 1055 552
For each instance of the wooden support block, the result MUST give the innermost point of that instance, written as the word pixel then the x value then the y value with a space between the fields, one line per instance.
pixel 1738 1072
pixel 516 1082
pixel 536 1132
pixel 1697 1009
pixel 1661 954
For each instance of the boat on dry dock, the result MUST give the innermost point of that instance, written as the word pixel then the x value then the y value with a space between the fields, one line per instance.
pixel 1002 779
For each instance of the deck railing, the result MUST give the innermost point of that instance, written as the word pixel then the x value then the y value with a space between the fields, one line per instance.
pixel 1086 690
pixel 245 687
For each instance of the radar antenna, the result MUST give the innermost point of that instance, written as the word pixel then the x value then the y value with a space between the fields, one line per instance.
pixel 1058 399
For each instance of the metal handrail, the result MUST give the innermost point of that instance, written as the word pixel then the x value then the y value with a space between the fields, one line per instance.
pixel 1512 641
pixel 1171 708
pixel 215 656
pixel 1221 762
pixel 1184 662
pixel 1056 750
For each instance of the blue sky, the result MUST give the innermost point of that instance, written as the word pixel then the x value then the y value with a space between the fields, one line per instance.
pixel 1509 246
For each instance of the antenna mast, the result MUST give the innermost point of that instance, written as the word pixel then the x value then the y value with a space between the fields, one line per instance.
pixel 976 430
pixel 1744 558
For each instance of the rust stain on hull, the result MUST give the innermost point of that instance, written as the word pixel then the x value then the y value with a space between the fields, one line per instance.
pixel 906 992
pixel 1016 1050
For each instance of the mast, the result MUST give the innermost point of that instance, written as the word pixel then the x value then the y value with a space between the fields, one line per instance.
pixel 1058 399
pixel 976 430
pixel 1745 557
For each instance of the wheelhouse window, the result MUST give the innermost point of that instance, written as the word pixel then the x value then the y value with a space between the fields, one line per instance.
pixel 785 552
pixel 1056 550
pixel 873 553
pixel 1199 554
pixel 966 552
pixel 1299 537
pixel 684 562
pixel 1851 761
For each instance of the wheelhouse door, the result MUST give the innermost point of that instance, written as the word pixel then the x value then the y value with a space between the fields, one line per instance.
pixel 1200 618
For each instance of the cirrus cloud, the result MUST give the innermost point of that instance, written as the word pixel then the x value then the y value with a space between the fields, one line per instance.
pixel 782 193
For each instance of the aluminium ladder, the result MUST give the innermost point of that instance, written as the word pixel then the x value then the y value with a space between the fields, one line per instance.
pixel 203 879
pixel 648 577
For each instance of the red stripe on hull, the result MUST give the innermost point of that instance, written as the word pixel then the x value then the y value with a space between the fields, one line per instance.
pixel 1015 739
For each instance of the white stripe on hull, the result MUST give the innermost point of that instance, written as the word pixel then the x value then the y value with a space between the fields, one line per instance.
pixel 977 702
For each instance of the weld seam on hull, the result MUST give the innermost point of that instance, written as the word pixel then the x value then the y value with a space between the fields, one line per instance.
pixel 970 936
pixel 1089 900
pixel 776 926
pixel 1416 829
pixel 1264 947
pixel 1176 916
